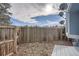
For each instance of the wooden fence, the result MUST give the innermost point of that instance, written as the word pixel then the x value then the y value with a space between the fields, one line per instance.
pixel 8 40
pixel 39 34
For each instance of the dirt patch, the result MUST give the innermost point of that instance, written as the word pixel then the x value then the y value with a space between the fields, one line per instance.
pixel 38 49
pixel 35 49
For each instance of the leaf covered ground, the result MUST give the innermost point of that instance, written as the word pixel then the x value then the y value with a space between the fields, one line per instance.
pixel 38 49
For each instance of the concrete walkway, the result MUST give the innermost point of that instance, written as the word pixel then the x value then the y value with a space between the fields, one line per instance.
pixel 61 50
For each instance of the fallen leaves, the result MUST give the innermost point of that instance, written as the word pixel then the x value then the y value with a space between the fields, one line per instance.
pixel 35 49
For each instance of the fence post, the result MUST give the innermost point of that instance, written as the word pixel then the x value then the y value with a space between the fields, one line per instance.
pixel 27 34
pixel 15 40
pixel 3 36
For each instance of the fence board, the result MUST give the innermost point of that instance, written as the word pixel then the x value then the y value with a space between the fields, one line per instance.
pixel 39 34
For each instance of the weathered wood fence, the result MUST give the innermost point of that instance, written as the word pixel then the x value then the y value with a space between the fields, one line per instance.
pixel 39 34
pixel 8 40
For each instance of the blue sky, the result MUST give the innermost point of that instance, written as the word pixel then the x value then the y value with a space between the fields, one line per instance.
pixel 44 19
pixel 40 20
pixel 17 22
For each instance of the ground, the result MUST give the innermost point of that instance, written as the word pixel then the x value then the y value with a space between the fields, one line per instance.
pixel 39 49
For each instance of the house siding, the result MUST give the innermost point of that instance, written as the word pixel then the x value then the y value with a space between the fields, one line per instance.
pixel 72 17
pixel 74 23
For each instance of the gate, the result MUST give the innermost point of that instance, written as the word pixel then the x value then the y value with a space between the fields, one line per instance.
pixel 8 40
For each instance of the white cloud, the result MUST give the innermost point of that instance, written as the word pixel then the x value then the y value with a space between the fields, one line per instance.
pixel 50 23
pixel 31 21
pixel 50 10
pixel 24 11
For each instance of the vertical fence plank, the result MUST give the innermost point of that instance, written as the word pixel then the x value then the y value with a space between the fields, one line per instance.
pixel 15 40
